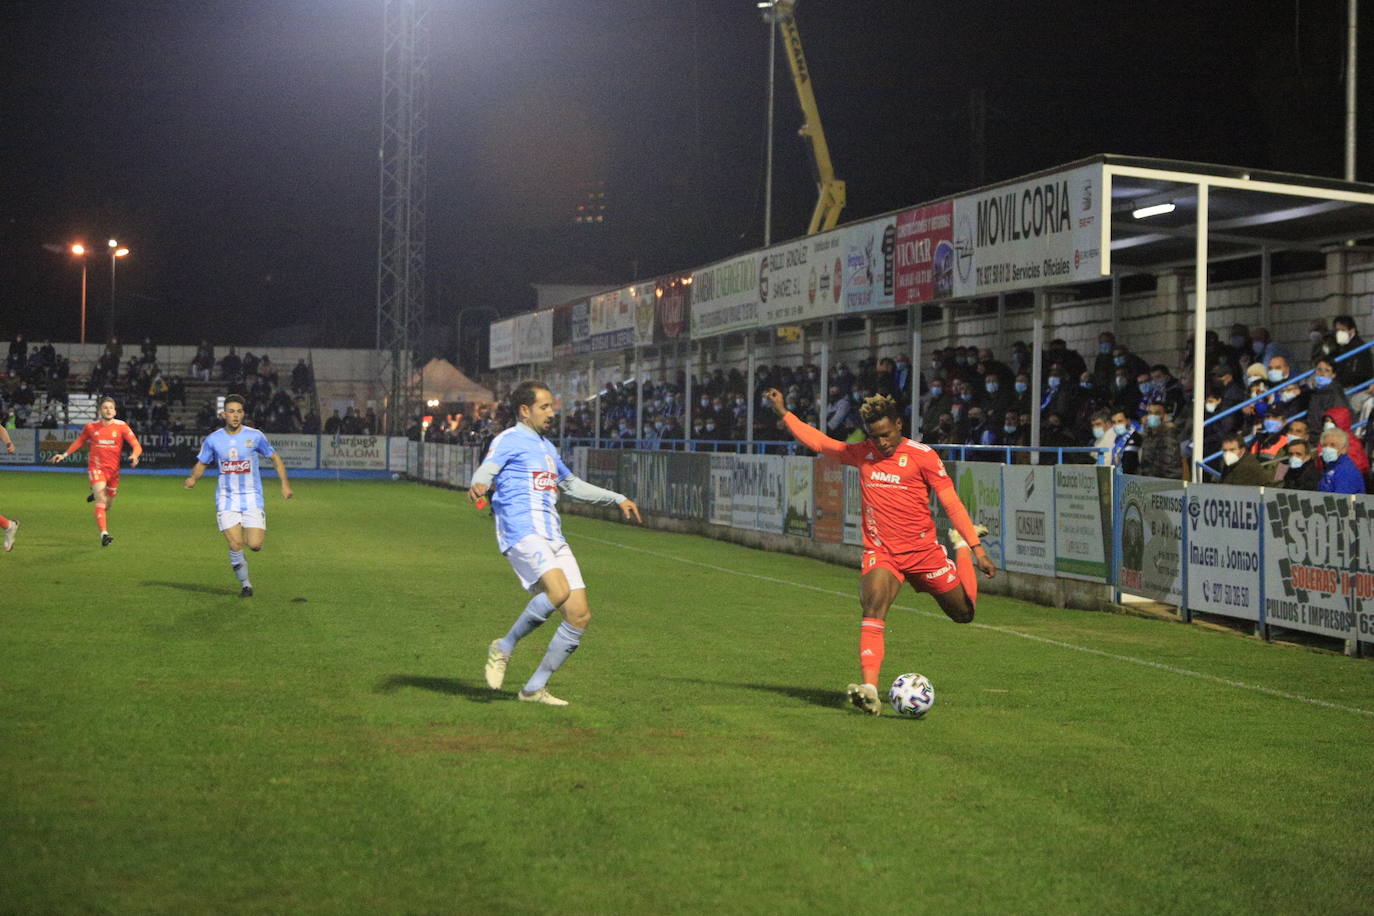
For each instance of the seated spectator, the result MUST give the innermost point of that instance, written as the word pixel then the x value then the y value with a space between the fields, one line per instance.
pixel 1104 437
pixel 1272 437
pixel 231 367
pixel 1299 470
pixel 332 425
pixel 1104 364
pixel 1266 348
pixel 149 349
pixel 1356 369
pixel 1339 474
pixel 1339 418
pixel 1325 393
pixel 250 365
pixel 1240 466
pixel 1277 371
pixel 1159 447
pixel 1166 390
pixel 206 419
pixel 1126 394
pixel 18 354
pixel 996 399
pixel 1323 341
pixel 1021 394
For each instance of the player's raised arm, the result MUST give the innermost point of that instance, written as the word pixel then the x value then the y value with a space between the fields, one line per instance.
pixel 807 435
pixel 959 518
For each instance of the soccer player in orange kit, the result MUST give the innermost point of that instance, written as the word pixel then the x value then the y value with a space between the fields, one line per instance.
pixel 8 525
pixel 107 437
pixel 897 477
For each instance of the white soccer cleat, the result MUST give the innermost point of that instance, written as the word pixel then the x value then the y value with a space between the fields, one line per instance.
pixel 957 539
pixel 541 695
pixel 864 697
pixel 496 665
pixel 10 532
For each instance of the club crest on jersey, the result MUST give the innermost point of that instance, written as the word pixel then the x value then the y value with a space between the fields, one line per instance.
pixel 233 453
pixel 548 463
pixel 901 461
pixel 248 444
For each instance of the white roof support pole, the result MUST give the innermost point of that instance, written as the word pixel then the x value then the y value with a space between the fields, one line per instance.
pixel 639 397
pixel 1199 331
pixel 750 395
pixel 596 406
pixel 914 381
pixel 1351 43
pixel 1037 369
pixel 823 381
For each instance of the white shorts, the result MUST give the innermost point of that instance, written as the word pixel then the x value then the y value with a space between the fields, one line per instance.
pixel 248 518
pixel 532 556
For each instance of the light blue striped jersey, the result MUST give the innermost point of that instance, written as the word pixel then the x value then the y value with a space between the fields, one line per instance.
pixel 525 492
pixel 240 483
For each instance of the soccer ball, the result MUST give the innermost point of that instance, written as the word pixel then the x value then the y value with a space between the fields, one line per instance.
pixel 911 696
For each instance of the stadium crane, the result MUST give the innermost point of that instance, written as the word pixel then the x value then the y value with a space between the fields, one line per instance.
pixel 404 184
pixel 830 190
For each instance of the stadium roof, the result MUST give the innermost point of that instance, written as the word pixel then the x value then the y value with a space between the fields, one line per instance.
pixel 1247 211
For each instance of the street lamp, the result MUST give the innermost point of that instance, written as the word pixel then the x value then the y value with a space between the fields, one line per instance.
pixel 115 253
pixel 79 251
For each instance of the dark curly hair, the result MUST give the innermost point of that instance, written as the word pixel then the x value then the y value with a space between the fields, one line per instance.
pixel 879 407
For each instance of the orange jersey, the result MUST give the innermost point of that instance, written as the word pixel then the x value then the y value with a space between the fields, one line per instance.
pixel 896 490
pixel 107 442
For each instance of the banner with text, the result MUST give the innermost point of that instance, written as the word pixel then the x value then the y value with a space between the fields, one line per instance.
pixel 1083 522
pixel 353 453
pixel 1311 577
pixel 1151 538
pixel 800 495
pixel 725 297
pixel 828 487
pixel 853 506
pixel 979 485
pixel 722 485
pixel 1028 501
pixel 925 254
pixel 870 271
pixel 1034 233
pixel 1362 510
pixel 501 344
pixel 1224 573
pixel 534 337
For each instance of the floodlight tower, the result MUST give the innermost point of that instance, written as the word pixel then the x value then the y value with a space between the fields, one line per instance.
pixel 401 230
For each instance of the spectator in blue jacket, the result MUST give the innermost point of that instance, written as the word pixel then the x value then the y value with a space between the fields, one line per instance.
pixel 1341 475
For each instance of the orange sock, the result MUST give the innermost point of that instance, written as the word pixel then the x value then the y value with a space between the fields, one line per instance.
pixel 4 522
pixel 100 516
pixel 968 576
pixel 871 648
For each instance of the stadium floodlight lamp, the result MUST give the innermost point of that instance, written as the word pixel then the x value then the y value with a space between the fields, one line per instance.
pixel 1155 210
pixel 78 249
pixel 113 244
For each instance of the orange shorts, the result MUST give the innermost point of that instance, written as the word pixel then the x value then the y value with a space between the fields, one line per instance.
pixel 109 477
pixel 928 570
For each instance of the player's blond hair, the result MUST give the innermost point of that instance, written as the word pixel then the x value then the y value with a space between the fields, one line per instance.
pixel 879 407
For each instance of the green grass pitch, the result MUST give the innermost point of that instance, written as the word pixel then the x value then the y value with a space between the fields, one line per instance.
pixel 329 746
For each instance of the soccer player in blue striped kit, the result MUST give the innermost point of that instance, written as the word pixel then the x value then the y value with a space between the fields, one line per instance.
pixel 525 474
pixel 239 510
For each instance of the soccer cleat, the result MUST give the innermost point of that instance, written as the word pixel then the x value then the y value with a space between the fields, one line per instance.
pixel 90 497
pixel 247 592
pixel 496 665
pixel 957 539
pixel 541 695
pixel 106 539
pixel 864 697
pixel 10 532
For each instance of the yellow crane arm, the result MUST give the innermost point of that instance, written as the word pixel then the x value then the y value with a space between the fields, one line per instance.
pixel 830 200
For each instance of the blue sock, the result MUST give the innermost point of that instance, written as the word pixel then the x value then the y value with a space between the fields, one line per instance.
pixel 563 644
pixel 534 614
pixel 240 565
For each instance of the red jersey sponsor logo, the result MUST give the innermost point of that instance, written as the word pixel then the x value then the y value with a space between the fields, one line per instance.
pixel 545 480
pixel 241 466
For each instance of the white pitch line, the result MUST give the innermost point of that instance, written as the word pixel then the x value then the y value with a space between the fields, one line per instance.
pixel 1185 672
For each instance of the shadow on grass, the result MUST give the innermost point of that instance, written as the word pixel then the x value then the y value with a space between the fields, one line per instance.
pixel 191 587
pixel 816 696
pixel 477 693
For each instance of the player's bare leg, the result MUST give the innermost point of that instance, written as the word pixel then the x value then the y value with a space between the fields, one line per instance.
pixel 577 614
pixel 877 590
pixel 102 496
pixel 237 536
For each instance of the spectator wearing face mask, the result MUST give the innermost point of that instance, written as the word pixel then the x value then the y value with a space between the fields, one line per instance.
pixel 997 397
pixel 1104 437
pixel 1325 392
pixel 1012 432
pixel 1104 365
pixel 1213 432
pixel 1126 443
pixel 1239 466
pixel 1277 371
pixel 1166 390
pixel 1264 348
pixel 1323 341
pixel 1126 394
pixel 1159 448
pixel 1339 472
pixel 1339 418
pixel 1272 436
pixel 1358 368
pixel 1021 394
pixel 1238 351
pixel 1298 470
pixel 1060 395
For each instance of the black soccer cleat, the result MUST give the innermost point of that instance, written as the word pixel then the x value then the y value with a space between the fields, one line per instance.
pixel 247 592
pixel 90 497
pixel 106 539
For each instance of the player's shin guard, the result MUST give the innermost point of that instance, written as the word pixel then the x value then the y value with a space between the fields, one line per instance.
pixel 563 644
pixel 100 514
pixel 530 619
pixel 240 566
pixel 871 649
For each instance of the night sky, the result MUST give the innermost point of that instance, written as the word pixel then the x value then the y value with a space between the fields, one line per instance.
pixel 232 145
